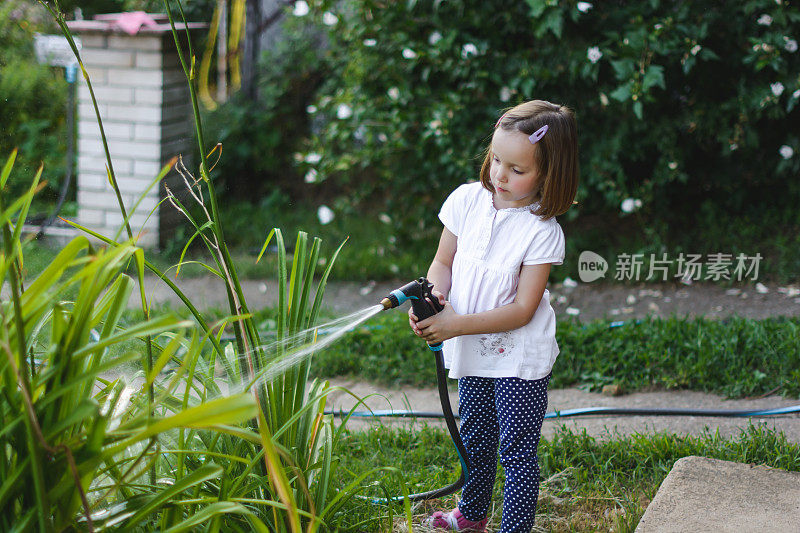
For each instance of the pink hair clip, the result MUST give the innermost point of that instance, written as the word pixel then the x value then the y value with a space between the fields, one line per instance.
pixel 537 135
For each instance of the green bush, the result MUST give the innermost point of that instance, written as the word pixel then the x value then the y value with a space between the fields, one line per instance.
pixel 260 137
pixel 34 98
pixel 677 102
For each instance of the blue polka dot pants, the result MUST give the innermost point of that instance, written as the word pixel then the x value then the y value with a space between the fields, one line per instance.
pixel 505 413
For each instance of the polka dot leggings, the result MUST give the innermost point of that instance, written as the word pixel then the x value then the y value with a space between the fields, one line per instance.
pixel 504 412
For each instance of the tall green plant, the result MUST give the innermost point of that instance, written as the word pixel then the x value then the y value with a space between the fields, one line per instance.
pixel 279 464
pixel 74 441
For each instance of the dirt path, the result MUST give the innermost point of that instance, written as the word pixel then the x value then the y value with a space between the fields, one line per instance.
pixel 590 300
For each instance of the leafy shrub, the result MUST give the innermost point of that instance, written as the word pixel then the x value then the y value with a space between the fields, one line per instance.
pixel 33 104
pixel 261 136
pixel 677 102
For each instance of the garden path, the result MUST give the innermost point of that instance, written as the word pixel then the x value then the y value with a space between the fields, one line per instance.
pixel 591 300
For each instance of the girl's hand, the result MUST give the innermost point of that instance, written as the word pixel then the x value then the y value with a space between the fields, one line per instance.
pixel 440 327
pixel 412 321
pixel 412 318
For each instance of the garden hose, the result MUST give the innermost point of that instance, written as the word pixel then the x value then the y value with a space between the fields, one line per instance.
pixel 425 304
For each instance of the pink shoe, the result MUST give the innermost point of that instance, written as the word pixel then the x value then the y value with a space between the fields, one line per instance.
pixel 455 521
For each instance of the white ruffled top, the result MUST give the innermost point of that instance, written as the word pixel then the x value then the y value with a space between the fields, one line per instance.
pixel 493 244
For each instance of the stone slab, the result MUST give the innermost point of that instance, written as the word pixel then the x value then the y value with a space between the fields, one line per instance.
pixel 708 495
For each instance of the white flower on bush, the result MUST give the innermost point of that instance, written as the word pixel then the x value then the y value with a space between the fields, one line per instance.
pixel 583 7
pixel 408 53
pixel 394 93
pixel 344 111
pixel 311 109
pixel 791 44
pixel 435 126
pixel 786 151
pixel 765 20
pixel 329 19
pixel 386 219
pixel 603 99
pixel 776 88
pixel 382 137
pixel 672 165
pixel 370 42
pixel 796 94
pixel 594 54
pixel 469 49
pixel 695 49
pixel 360 134
pixel 313 158
pixel 505 94
pixel 311 176
pixel 629 205
pixel 324 214
pixel 300 9
pixel 434 38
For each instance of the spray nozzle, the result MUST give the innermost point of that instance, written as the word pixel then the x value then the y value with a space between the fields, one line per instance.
pixel 423 302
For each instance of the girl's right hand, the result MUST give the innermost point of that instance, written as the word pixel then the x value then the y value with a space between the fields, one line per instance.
pixel 412 321
pixel 412 318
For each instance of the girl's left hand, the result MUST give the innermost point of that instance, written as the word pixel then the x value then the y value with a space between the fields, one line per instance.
pixel 441 326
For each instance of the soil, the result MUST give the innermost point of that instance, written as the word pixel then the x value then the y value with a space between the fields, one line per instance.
pixel 584 302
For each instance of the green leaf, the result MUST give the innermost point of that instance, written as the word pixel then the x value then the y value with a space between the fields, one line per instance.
pixel 197 232
pixel 163 497
pixel 7 168
pixel 621 93
pixel 623 68
pixel 217 508
pixel 266 243
pixel 654 76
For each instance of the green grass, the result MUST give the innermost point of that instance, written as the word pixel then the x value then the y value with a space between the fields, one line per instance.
pixel 589 484
pixel 733 357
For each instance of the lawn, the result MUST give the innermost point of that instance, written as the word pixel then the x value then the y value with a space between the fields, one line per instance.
pixel 588 484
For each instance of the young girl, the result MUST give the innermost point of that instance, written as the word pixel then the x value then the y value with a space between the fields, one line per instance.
pixel 499 239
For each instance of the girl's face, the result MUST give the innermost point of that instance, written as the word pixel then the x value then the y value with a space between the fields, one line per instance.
pixel 514 172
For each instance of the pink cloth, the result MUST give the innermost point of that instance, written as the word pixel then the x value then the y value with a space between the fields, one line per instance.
pixel 133 21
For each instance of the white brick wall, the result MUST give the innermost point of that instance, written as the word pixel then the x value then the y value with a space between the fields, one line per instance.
pixel 138 42
pixel 129 77
pixel 103 93
pixel 146 117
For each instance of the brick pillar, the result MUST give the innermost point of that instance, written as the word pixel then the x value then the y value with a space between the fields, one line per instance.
pixel 145 107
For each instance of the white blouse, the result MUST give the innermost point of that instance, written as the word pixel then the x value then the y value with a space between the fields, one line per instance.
pixel 492 247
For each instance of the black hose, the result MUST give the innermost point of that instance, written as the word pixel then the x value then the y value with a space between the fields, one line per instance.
pixel 62 195
pixel 449 417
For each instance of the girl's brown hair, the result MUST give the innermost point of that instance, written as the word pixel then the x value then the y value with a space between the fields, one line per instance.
pixel 556 156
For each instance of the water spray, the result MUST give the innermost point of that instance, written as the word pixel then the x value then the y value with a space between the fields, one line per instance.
pixel 424 305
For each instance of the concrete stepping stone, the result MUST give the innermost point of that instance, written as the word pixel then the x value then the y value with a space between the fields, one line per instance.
pixel 708 495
